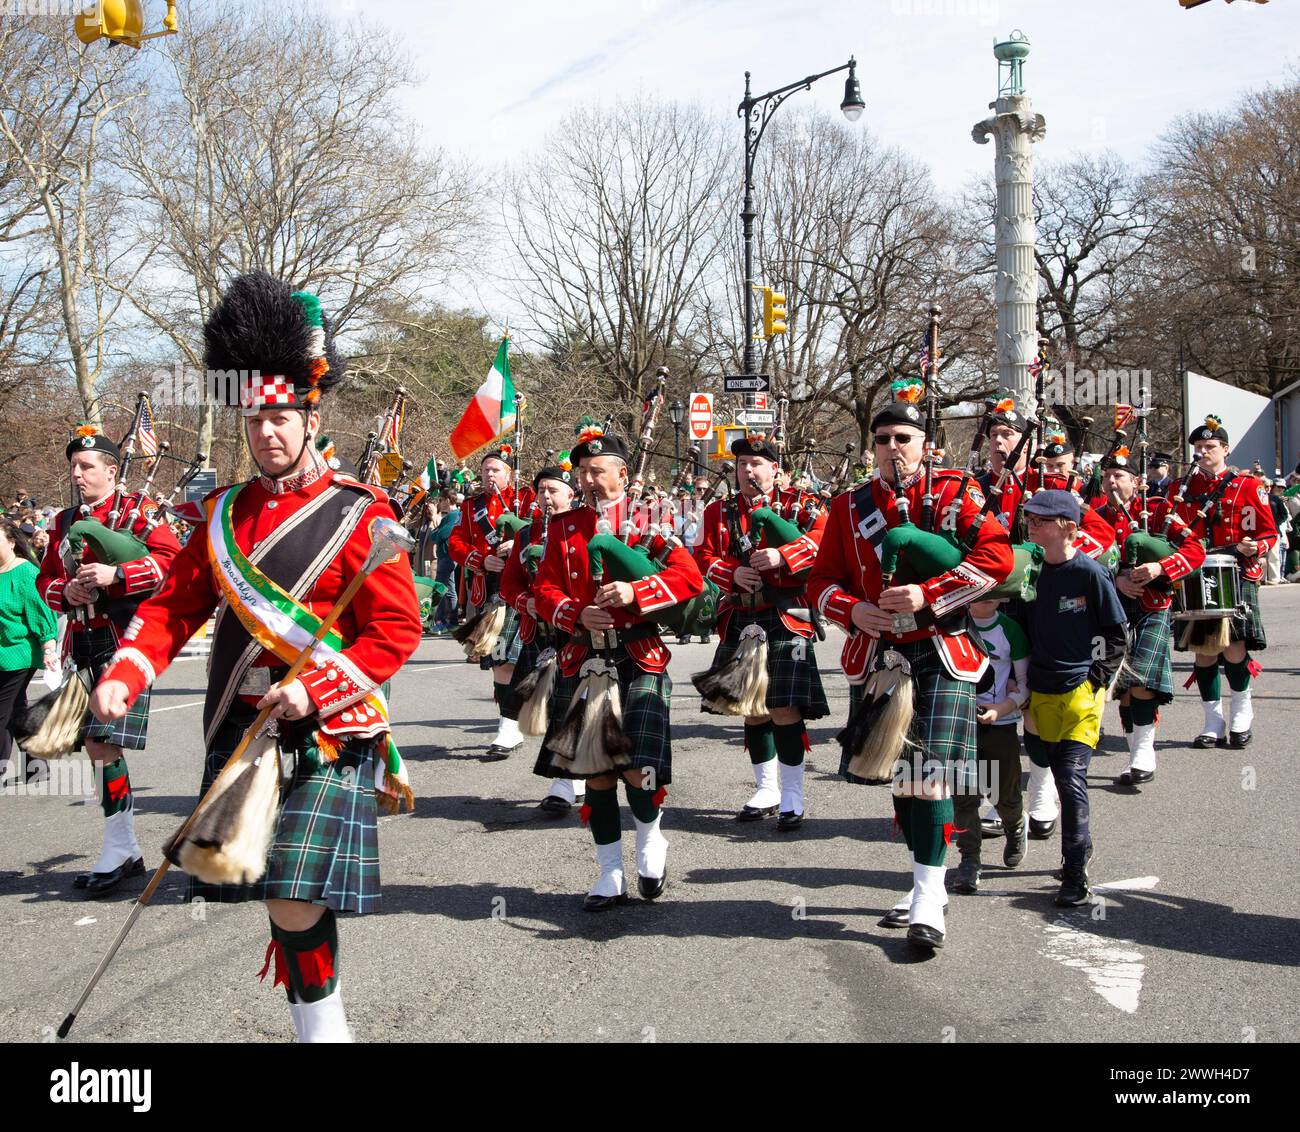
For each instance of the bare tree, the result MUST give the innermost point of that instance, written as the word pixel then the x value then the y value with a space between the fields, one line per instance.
pixel 314 177
pixel 1225 281
pixel 59 104
pixel 615 227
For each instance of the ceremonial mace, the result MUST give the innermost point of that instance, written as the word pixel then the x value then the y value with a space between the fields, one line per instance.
pixel 389 538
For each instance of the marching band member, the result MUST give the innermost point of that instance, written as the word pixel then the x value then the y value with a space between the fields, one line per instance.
pixel 282 548
pixel 615 622
pixel 1146 680
pixel 100 600
pixel 921 624
pixel 479 547
pixel 1230 513
pixel 763 576
pixel 554 489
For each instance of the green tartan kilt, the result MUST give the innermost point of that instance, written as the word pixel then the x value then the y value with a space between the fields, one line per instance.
pixel 92 649
pixel 647 701
pixel 792 676
pixel 943 728
pixel 506 650
pixel 326 844
pixel 1148 661
pixel 1249 626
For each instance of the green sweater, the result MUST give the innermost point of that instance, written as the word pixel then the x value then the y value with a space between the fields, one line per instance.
pixel 26 622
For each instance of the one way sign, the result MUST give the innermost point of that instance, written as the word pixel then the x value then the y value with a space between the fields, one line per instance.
pixel 747 383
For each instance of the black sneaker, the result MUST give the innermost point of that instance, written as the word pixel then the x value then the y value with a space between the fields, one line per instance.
pixel 1017 843
pixel 967 880
pixel 1074 889
pixel 1059 874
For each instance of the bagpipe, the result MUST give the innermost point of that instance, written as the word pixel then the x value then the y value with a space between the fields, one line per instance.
pixel 876 734
pixel 52 726
pixel 480 634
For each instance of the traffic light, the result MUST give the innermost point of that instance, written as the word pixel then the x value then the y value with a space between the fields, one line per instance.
pixel 120 21
pixel 773 312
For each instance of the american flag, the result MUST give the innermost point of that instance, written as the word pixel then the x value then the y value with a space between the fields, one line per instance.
pixel 923 358
pixel 145 437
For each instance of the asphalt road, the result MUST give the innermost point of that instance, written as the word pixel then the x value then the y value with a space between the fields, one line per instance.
pixel 760 936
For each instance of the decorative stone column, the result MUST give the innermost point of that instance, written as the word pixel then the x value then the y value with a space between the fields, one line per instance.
pixel 1014 128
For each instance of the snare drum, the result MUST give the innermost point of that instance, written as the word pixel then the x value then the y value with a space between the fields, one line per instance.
pixel 1212 591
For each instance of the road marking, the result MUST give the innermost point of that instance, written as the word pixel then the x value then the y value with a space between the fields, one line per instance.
pixel 1134 884
pixel 84 921
pixel 177 707
pixel 1114 972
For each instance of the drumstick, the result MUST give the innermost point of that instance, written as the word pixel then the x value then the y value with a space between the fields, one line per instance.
pixel 389 538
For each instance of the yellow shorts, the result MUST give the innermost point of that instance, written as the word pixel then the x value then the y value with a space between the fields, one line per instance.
pixel 1074 715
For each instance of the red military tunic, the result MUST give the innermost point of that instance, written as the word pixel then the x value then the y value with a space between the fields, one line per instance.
pixel 468 544
pixel 718 559
pixel 141 577
pixel 564 586
pixel 1095 537
pixel 517 581
pixel 1188 554
pixel 847 570
pixel 380 628
pixel 1242 512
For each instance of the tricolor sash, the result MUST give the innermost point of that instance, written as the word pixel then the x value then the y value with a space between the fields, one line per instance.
pixel 284 626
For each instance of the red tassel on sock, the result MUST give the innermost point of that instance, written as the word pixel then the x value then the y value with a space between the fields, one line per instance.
pixel 948 830
pixel 807 743
pixel 118 788
pixel 584 813
pixel 273 949
pixel 1254 667
pixel 316 966
pixel 660 795
pixel 895 829
pixel 1190 680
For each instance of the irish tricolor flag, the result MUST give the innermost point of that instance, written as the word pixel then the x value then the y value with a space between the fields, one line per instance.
pixel 491 413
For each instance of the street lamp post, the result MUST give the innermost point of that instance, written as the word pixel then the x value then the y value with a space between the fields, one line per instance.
pixel 852 107
pixel 677 414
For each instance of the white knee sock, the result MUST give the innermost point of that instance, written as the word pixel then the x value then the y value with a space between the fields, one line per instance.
pixel 791 788
pixel 768 793
pixel 322 1021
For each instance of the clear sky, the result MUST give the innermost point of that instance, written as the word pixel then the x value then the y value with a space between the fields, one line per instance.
pixel 1104 73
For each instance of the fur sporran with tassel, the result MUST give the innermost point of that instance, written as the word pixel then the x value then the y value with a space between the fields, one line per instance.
pixel 877 733
pixel 534 693
pixel 230 837
pixel 591 739
pixel 738 686
pixel 1206 636
pixel 479 635
pixel 52 726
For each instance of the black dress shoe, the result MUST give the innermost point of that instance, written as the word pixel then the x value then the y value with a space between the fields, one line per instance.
pixel 1239 739
pixel 101 883
pixel 603 903
pixel 1041 830
pixel 1017 842
pixel 967 880
pixel 81 880
pixel 1205 741
pixel 896 918
pixel 652 887
pixel 497 752
pixel 553 807
pixel 991 826
pixel 788 821
pixel 927 938
pixel 1135 777
pixel 756 813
